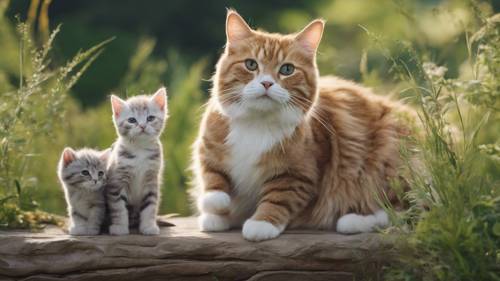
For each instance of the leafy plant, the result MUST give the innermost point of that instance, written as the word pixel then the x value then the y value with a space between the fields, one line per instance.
pixel 32 108
pixel 451 230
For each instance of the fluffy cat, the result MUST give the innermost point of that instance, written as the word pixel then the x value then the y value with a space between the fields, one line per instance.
pixel 280 148
pixel 136 163
pixel 83 175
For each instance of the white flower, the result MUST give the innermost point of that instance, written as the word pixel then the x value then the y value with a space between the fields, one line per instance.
pixel 434 71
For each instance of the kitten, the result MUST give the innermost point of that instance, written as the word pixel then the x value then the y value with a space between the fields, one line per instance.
pixel 278 147
pixel 136 163
pixel 83 175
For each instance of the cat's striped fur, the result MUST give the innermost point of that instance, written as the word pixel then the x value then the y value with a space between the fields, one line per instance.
pixel 136 163
pixel 83 175
pixel 278 150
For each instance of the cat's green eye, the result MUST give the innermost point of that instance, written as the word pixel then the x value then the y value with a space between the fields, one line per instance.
pixel 287 69
pixel 132 120
pixel 151 118
pixel 100 174
pixel 85 173
pixel 251 64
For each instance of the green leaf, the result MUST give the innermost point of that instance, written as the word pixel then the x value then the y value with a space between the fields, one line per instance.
pixel 496 229
pixel 7 198
pixel 18 187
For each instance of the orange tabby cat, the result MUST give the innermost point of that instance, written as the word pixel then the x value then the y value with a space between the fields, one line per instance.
pixel 278 147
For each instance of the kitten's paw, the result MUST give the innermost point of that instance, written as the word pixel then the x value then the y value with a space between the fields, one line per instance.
pixel 211 222
pixel 214 202
pixel 254 230
pixel 118 230
pixel 78 230
pixel 152 229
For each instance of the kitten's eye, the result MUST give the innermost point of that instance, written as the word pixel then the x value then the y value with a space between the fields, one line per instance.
pixel 85 173
pixel 132 120
pixel 251 64
pixel 287 69
pixel 100 174
pixel 151 118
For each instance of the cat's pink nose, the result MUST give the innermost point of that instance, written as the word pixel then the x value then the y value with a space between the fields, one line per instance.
pixel 267 84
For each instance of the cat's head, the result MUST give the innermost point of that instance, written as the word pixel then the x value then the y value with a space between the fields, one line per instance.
pixel 84 168
pixel 140 117
pixel 261 72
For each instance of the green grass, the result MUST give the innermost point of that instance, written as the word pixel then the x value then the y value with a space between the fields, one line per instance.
pixel 30 109
pixel 452 229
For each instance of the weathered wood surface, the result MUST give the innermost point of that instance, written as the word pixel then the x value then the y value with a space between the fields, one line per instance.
pixel 183 253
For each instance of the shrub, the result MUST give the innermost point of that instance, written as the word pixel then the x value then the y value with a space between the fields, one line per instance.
pixel 451 230
pixel 32 107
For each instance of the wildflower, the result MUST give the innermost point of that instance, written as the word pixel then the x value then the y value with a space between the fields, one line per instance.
pixel 433 71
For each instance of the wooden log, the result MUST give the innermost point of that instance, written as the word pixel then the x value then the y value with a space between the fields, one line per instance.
pixel 181 252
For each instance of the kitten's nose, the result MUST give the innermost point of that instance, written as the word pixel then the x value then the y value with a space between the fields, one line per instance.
pixel 267 84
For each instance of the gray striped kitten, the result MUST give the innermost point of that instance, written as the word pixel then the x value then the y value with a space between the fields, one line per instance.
pixel 83 175
pixel 136 163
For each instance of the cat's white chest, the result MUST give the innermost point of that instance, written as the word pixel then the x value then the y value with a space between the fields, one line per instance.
pixel 246 149
pixel 248 142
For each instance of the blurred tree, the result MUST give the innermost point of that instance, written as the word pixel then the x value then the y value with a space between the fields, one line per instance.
pixel 195 27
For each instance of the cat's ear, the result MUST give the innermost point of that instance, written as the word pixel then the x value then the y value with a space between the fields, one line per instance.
pixel 105 154
pixel 117 104
pixel 160 98
pixel 68 156
pixel 236 27
pixel 310 36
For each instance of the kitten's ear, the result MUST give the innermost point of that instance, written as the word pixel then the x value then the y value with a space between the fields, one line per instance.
pixel 68 156
pixel 160 98
pixel 310 36
pixel 117 104
pixel 236 27
pixel 105 154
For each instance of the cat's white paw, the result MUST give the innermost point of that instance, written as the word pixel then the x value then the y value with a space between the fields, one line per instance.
pixel 211 222
pixel 151 229
pixel 354 223
pixel 382 218
pixel 254 230
pixel 214 202
pixel 78 230
pixel 118 230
